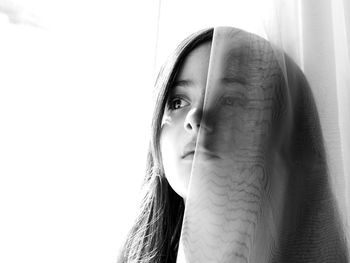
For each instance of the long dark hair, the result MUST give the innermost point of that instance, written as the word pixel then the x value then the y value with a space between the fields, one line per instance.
pixel 156 232
pixel 311 229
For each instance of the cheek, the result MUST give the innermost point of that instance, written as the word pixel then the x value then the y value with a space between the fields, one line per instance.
pixel 172 141
pixel 170 137
pixel 227 127
pixel 167 146
pixel 169 131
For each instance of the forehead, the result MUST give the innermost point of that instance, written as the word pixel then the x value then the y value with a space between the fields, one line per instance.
pixel 195 66
pixel 243 60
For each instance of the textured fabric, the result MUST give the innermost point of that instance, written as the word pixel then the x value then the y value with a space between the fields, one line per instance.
pixel 282 193
pixel 266 197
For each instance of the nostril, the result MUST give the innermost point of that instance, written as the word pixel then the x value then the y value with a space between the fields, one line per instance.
pixel 189 126
pixel 192 121
pixel 192 127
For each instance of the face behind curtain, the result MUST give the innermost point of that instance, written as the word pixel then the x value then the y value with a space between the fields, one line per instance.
pixel 259 189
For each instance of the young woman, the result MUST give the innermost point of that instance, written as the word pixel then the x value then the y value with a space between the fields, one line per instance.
pixel 236 135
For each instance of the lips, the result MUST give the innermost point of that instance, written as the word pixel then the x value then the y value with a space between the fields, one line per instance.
pixel 190 149
pixel 188 154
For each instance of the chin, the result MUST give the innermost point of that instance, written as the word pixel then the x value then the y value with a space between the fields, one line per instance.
pixel 179 179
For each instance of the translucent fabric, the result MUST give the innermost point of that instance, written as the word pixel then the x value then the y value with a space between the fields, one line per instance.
pixel 259 188
pixel 270 178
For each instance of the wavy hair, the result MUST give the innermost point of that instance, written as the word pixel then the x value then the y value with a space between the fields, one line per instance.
pixel 155 234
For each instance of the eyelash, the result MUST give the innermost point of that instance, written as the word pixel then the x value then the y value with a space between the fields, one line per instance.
pixel 176 99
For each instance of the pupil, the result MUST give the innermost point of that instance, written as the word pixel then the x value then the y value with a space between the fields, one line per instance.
pixel 177 104
pixel 229 101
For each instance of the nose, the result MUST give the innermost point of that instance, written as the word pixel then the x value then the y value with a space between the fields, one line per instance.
pixel 193 120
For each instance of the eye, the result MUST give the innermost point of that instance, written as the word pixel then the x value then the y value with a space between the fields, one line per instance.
pixel 229 101
pixel 233 101
pixel 177 103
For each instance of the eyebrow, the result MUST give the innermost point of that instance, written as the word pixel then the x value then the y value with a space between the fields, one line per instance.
pixel 232 80
pixel 182 83
pixel 236 67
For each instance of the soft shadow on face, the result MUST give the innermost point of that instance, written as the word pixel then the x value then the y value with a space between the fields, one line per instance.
pixel 228 108
pixel 229 197
pixel 239 98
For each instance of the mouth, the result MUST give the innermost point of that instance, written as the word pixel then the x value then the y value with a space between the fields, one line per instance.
pixel 188 155
pixel 200 154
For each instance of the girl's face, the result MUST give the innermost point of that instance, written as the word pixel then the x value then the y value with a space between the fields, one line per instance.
pixel 181 119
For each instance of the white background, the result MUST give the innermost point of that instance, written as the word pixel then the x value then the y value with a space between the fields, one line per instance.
pixel 76 87
pixel 75 96
pixel 76 81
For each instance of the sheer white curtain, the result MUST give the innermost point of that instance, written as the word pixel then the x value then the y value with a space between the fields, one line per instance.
pixel 315 34
pixel 326 63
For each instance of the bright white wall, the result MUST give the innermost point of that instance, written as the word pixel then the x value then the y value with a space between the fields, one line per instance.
pixel 74 116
